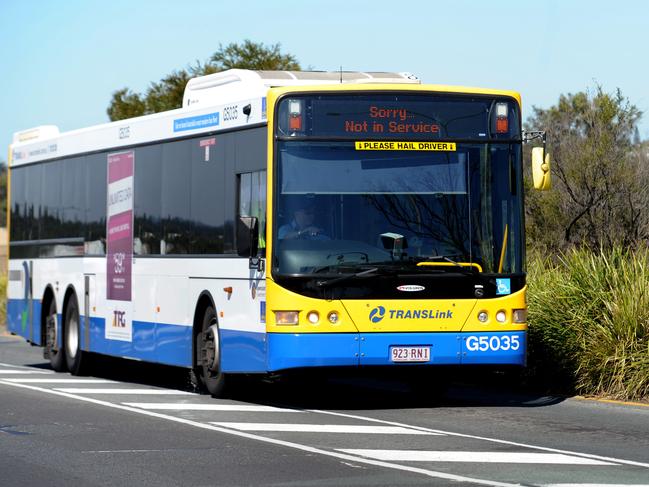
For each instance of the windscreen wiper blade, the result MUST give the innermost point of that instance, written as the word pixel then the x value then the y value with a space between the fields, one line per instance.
pixel 336 280
pixel 467 268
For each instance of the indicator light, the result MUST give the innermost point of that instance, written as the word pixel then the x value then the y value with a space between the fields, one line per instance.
pixel 333 317
pixel 286 317
pixel 519 316
pixel 483 316
pixel 502 120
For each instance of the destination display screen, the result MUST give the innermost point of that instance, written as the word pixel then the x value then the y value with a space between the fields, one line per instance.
pixel 396 117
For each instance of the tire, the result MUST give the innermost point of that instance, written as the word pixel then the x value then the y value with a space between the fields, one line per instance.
pixel 52 351
pixel 76 359
pixel 208 356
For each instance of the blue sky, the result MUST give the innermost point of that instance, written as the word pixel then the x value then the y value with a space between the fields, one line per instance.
pixel 62 59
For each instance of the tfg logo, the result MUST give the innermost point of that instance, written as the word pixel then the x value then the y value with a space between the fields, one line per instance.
pixel 377 314
pixel 119 319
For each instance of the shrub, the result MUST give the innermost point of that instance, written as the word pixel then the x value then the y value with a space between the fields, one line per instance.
pixel 589 322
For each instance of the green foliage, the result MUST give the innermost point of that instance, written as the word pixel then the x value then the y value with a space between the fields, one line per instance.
pixel 3 300
pixel 251 55
pixel 3 194
pixel 589 322
pixel 599 175
pixel 167 93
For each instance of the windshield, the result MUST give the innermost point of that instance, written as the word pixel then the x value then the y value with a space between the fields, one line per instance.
pixel 338 206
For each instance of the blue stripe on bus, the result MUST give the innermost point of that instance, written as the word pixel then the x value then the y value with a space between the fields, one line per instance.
pixel 15 310
pixel 290 350
pixel 243 351
pixel 152 342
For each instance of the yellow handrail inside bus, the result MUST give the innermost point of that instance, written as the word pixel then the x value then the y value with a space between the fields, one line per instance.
pixel 502 250
pixel 451 264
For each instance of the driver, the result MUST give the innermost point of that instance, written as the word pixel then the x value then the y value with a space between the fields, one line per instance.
pixel 301 226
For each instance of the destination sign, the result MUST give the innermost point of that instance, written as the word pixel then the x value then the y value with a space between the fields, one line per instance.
pixel 392 117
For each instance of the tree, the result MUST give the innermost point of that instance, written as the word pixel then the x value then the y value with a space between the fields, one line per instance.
pixel 600 177
pixel 251 55
pixel 167 94
pixel 3 193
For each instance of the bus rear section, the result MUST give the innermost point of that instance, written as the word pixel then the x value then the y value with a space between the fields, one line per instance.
pixel 396 228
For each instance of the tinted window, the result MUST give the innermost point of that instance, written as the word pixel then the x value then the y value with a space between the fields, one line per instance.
pixel 95 198
pixel 18 204
pixel 148 202
pixel 207 194
pixel 73 204
pixel 51 182
pixel 176 186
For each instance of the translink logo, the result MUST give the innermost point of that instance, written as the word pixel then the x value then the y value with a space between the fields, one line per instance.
pixel 378 313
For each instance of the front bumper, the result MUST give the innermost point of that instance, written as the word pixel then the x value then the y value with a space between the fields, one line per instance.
pixel 292 350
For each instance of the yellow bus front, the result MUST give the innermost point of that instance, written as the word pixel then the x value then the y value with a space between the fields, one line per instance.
pixel 395 227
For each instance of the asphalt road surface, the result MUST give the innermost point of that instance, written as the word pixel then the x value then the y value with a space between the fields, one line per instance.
pixel 136 424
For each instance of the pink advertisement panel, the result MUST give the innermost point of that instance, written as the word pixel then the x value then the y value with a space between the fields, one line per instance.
pixel 119 231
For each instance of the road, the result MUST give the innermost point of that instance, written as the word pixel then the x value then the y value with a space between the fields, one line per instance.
pixel 135 424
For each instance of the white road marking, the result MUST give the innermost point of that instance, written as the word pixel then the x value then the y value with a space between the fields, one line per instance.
pixel 16 372
pixel 143 392
pixel 61 381
pixel 172 406
pixel 373 420
pixel 321 428
pixel 596 485
pixel 14 366
pixel 122 451
pixel 474 457
pixel 495 440
pixel 288 444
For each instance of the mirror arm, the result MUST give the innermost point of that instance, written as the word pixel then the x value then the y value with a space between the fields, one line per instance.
pixel 530 135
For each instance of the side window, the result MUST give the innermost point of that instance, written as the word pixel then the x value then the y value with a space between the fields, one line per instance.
pixel 18 204
pixel 72 198
pixel 95 203
pixel 252 200
pixel 208 194
pixel 50 218
pixel 175 203
pixel 147 185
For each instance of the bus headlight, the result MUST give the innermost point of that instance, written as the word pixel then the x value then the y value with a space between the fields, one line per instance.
pixel 501 316
pixel 519 316
pixel 313 317
pixel 286 317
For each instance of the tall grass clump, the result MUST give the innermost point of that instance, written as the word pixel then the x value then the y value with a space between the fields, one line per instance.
pixel 589 322
pixel 3 301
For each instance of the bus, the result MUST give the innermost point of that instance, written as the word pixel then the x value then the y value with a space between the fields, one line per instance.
pixel 277 221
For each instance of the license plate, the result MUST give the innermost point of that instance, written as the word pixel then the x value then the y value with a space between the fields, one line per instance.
pixel 410 354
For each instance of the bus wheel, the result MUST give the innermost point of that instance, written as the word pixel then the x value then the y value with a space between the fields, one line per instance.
pixel 208 358
pixel 52 351
pixel 75 357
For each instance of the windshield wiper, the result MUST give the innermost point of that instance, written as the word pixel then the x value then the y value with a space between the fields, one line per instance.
pixel 464 269
pixel 336 280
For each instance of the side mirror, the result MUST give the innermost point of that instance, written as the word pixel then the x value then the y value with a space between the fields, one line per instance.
pixel 247 236
pixel 541 169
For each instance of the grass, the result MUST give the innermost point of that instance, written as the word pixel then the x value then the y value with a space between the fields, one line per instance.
pixel 3 302
pixel 589 323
